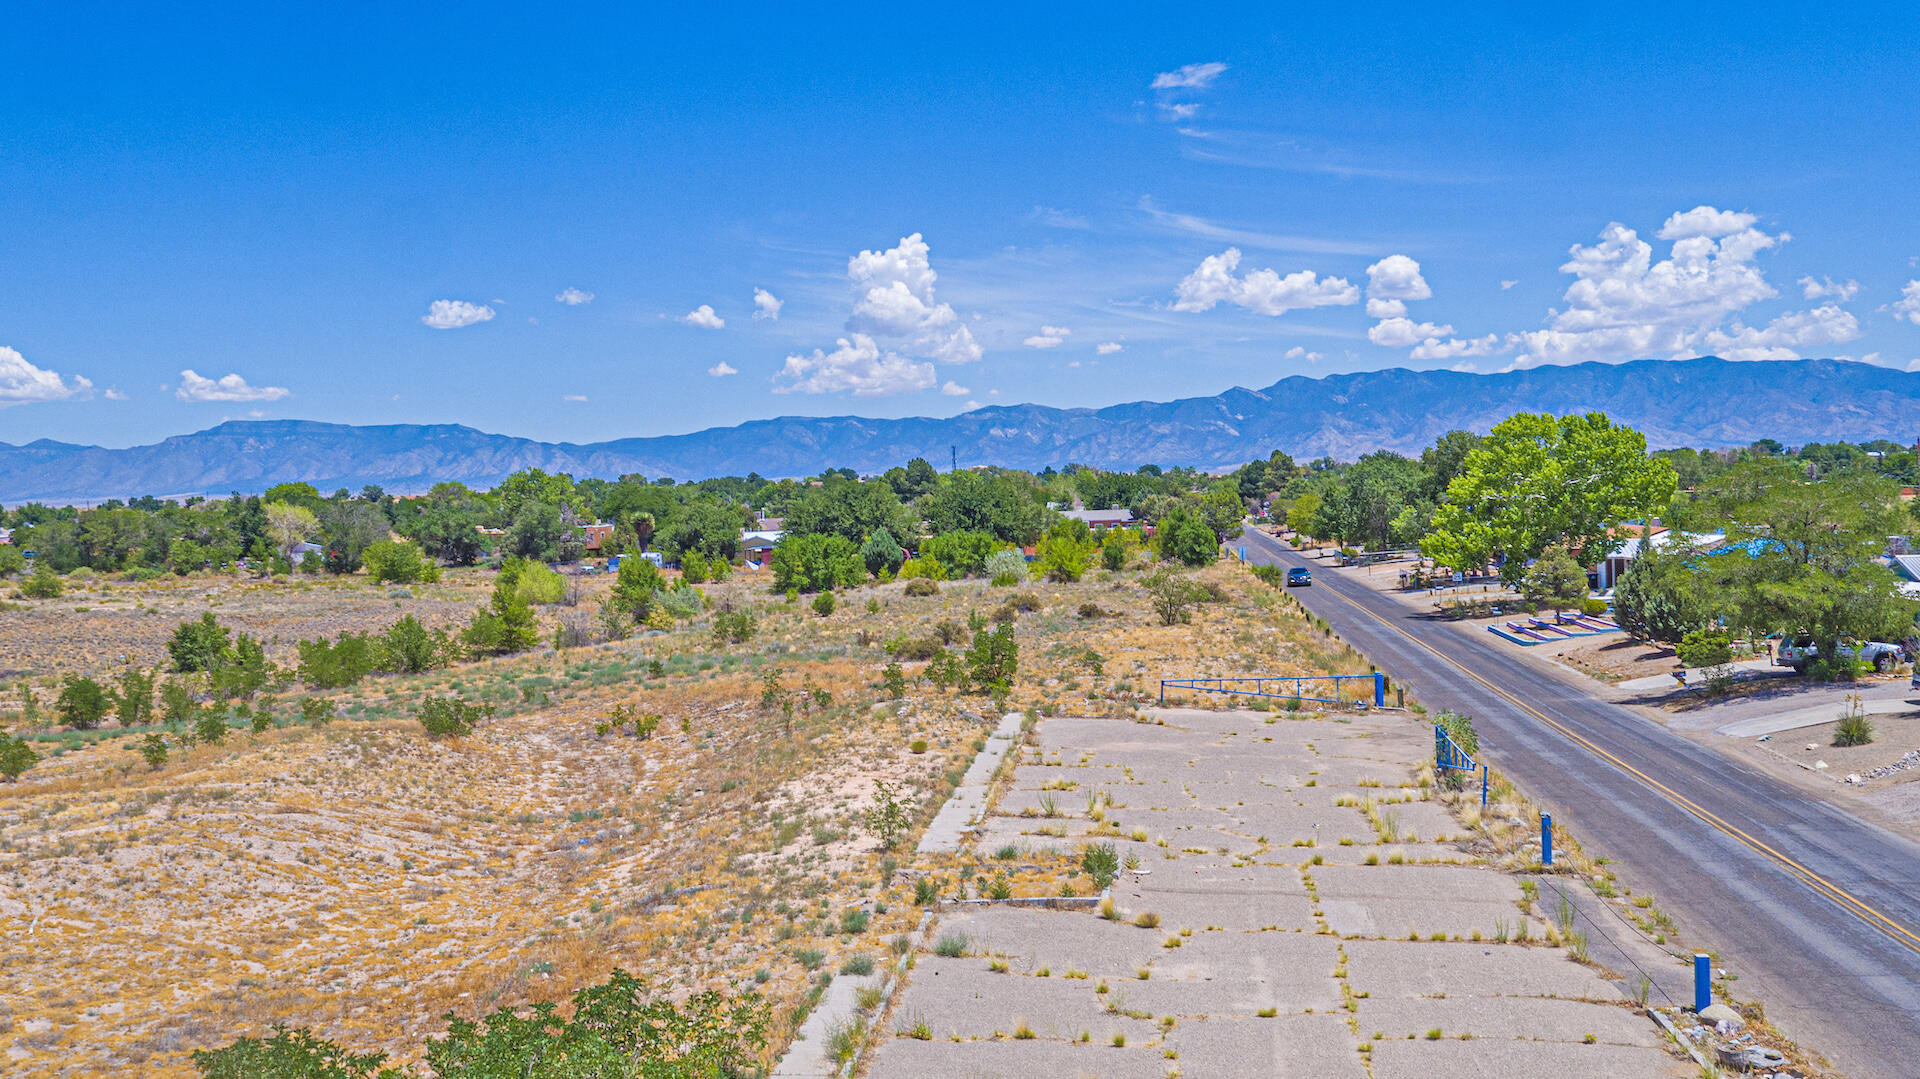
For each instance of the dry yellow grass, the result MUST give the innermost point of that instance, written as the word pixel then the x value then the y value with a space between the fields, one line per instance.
pixel 362 880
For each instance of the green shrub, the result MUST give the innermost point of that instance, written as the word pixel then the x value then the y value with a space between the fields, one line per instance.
pixel 539 584
pixel 1593 606
pixel 963 554
pixel 914 648
pixel 922 586
pixel 953 946
pixel 924 568
pixel 1006 567
pixel 451 716
pixel 1101 862
pixel 617 1027
pixel 210 728
pixel 1854 728
pixel 398 562
pixel 82 703
pixel 824 603
pixel 198 646
pixel 43 583
pixel 734 627
pixel 16 756
pixel 859 964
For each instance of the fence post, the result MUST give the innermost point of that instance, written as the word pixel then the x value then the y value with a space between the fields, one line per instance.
pixel 1483 786
pixel 1702 981
pixel 1379 690
pixel 1163 693
pixel 1546 839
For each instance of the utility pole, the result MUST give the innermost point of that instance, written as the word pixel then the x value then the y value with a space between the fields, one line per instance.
pixel 953 453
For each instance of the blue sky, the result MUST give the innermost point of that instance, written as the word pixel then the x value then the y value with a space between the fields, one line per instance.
pixel 371 216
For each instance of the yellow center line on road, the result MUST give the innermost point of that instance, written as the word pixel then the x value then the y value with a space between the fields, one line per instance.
pixel 1846 900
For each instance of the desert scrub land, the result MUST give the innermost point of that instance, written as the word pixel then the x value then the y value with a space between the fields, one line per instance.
pixel 362 879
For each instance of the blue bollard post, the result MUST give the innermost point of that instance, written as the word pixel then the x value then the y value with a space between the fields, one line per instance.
pixel 1483 786
pixel 1546 839
pixel 1243 554
pixel 1702 981
pixel 1379 690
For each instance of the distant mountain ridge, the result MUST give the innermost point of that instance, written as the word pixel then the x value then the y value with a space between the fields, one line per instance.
pixel 1700 402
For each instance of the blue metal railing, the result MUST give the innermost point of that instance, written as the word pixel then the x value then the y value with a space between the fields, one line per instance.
pixel 1276 685
pixel 1449 757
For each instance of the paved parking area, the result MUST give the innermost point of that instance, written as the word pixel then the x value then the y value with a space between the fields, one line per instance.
pixel 1266 925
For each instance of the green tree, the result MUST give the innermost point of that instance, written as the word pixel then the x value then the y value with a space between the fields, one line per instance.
pixel 1172 595
pixel 82 703
pixel 888 818
pixel 198 646
pixel 1554 580
pixel 505 625
pixel 133 703
pixel 391 562
pixel 812 563
pixel 16 756
pixel 986 502
pixel 1301 513
pixel 1801 554
pixel 881 553
pixel 994 659
pixel 153 750
pixel 964 554
pixel 1536 481
pixel 1185 538
pixel 1065 551
pixel 1658 597
pixel 43 583
pixel 289 525
pixel 849 509
pixel 636 586
pixel 1006 567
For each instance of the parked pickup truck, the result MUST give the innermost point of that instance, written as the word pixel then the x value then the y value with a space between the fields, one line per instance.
pixel 1800 651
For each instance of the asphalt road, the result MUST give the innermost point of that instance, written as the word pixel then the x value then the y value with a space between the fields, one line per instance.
pixel 1828 948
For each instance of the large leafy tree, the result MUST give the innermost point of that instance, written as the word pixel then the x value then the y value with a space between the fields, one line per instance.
pixel 1537 481
pixel 986 502
pixel 1801 552
pixel 849 509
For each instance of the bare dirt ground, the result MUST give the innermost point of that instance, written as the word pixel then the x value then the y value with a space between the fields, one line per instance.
pixel 361 879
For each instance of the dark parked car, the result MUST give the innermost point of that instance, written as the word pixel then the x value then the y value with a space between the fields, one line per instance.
pixel 1299 575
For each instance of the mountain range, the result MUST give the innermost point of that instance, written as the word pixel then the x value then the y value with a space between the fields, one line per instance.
pixel 1706 402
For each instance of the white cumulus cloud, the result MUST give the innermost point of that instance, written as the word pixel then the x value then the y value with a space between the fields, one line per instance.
pixel 574 297
pixel 1048 337
pixel 1623 305
pixel 704 318
pixel 1826 286
pixel 954 389
pixel 1906 307
pixel 1263 292
pixel 1785 337
pixel 766 306
pixel 1107 348
pixel 1189 76
pixel 722 369
pixel 1299 352
pixel 1705 221
pixel 1404 332
pixel 1397 277
pixel 1435 349
pixel 194 387
pixel 22 383
pixel 453 314
pixel 893 301
pixel 857 365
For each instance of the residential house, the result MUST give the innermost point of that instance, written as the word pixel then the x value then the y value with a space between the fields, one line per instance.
pixel 1117 518
pixel 597 535
pixel 1642 537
